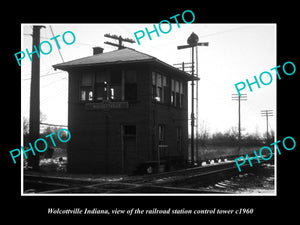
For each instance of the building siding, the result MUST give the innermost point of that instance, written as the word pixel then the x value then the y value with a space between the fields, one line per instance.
pixel 95 148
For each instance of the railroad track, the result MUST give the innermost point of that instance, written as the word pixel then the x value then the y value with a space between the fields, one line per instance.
pixel 167 182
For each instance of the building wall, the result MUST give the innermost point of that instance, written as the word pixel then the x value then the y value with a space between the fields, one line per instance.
pixel 97 143
pixel 171 118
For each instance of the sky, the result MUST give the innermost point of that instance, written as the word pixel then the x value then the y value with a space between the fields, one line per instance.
pixel 236 52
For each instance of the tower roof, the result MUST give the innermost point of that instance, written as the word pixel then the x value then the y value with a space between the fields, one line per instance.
pixel 120 56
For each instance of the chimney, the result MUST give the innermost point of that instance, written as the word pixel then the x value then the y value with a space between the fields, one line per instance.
pixel 97 50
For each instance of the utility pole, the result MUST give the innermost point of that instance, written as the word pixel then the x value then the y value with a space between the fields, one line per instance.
pixel 34 120
pixel 242 97
pixel 198 161
pixel 120 40
pixel 192 43
pixel 267 113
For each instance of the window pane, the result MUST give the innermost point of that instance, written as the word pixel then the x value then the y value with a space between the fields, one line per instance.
pixel 179 139
pixel 86 94
pixel 116 92
pixel 101 92
pixel 87 79
pixel 173 98
pixel 116 77
pixel 90 95
pixel 172 85
pixel 130 91
pixel 130 77
pixel 101 82
pixel 177 101
pixel 153 78
pixel 181 88
pixel 176 86
pixel 181 100
pixel 165 84
pixel 102 77
pixel 166 95
pixel 130 85
pixel 129 130
pixel 82 95
pixel 153 92
pixel 159 80
pixel 159 94
pixel 161 133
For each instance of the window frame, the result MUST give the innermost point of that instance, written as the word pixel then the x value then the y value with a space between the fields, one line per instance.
pixel 129 86
pixel 159 90
pixel 87 89
pixel 94 86
pixel 176 93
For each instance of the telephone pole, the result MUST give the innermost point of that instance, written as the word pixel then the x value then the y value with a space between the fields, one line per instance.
pixel 267 113
pixel 34 117
pixel 192 43
pixel 237 97
pixel 120 40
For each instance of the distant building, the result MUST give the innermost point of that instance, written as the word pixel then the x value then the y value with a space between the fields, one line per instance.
pixel 124 107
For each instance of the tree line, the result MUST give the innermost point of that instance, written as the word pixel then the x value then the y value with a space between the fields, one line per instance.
pixel 48 130
pixel 231 138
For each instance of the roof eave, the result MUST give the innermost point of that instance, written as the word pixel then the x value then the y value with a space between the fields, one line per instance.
pixel 68 67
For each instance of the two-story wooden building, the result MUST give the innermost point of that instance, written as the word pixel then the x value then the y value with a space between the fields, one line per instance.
pixel 125 108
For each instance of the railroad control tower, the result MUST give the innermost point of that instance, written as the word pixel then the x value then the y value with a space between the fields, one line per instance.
pixel 125 108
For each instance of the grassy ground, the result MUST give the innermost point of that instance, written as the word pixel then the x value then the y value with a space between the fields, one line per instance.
pixel 58 162
pixel 212 152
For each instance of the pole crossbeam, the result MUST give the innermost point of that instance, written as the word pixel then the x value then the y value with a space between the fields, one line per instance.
pixel 237 97
pixel 120 40
pixel 266 113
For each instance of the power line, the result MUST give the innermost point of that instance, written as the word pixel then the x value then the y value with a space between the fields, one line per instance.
pixel 46 75
pixel 57 45
pixel 55 125
pixel 54 82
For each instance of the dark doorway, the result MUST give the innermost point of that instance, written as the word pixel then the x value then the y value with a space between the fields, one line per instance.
pixel 129 148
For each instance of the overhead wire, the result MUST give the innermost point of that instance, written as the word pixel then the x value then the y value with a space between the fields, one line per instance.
pixel 46 75
pixel 56 44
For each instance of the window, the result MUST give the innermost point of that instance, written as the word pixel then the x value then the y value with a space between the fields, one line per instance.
pixel 129 130
pixel 161 134
pixel 173 96
pixel 179 139
pixel 114 85
pixel 162 140
pixel 181 94
pixel 177 94
pixel 101 86
pixel 86 92
pixel 177 98
pixel 166 90
pixel 153 85
pixel 159 88
pixel 130 85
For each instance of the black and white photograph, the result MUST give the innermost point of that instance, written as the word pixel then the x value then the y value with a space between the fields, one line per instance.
pixel 157 113
pixel 124 111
